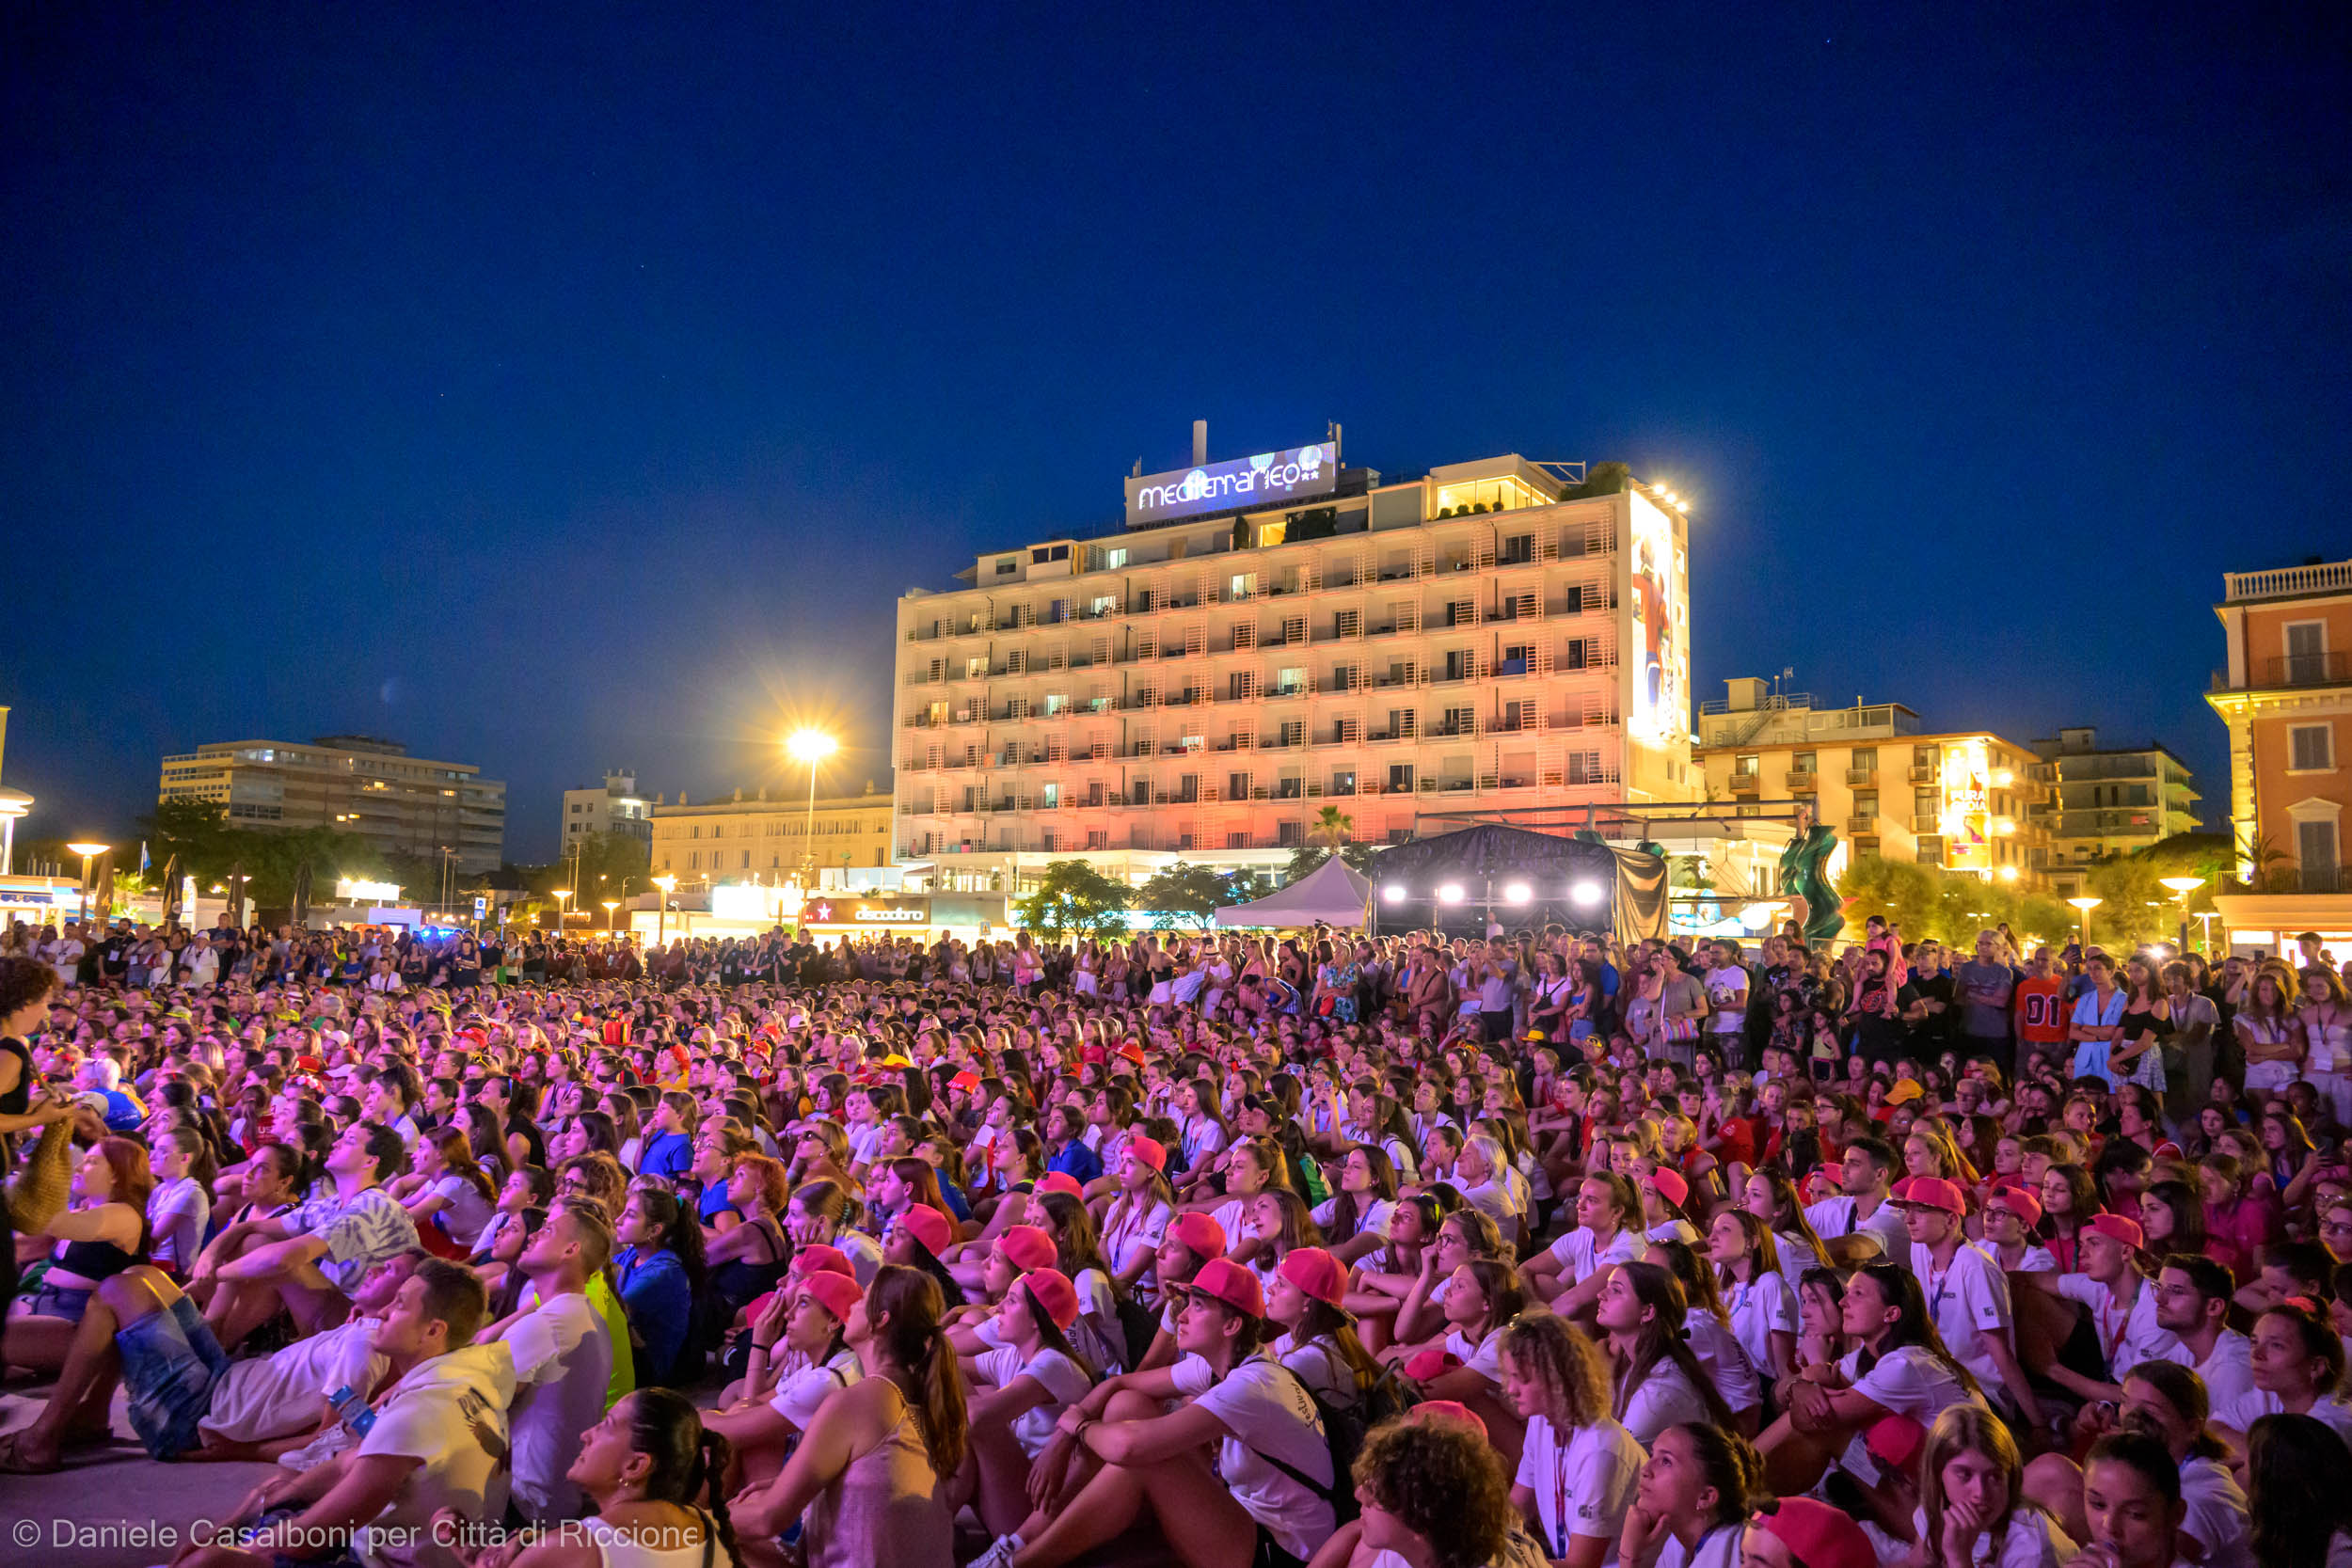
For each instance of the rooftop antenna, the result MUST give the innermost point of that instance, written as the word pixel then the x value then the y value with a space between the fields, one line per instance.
pixel 1137 472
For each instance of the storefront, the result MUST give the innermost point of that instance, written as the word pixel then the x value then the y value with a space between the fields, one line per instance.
pixel 929 916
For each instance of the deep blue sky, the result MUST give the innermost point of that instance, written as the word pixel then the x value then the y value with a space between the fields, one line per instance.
pixel 558 390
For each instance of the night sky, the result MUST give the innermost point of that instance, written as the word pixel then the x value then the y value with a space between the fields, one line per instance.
pixel 557 391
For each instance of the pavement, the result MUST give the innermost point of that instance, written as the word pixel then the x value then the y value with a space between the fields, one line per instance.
pixel 109 1507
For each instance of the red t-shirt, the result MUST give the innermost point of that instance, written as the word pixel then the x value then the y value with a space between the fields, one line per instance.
pixel 2041 1013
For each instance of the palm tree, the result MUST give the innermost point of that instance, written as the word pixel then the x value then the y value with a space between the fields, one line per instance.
pixel 1332 829
pixel 1333 833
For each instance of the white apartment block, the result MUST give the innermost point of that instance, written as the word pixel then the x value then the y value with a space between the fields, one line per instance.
pixel 1204 687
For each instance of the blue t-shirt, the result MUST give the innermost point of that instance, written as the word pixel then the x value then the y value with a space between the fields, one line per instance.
pixel 1608 978
pixel 1079 1161
pixel 955 1198
pixel 715 1203
pixel 670 1154
pixel 661 1303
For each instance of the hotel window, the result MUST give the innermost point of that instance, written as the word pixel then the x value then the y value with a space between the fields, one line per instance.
pixel 1746 765
pixel 2312 746
pixel 2315 845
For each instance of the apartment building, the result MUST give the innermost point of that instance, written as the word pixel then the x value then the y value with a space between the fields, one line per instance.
pixel 1961 801
pixel 352 784
pixel 763 839
pixel 2110 800
pixel 1205 682
pixel 616 808
pixel 2285 693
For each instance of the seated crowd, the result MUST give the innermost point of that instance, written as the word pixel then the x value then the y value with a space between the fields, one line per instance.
pixel 1405 1253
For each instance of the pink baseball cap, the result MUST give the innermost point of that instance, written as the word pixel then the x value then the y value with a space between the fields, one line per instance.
pixel 929 1227
pixel 1200 1233
pixel 2018 1201
pixel 1895 1441
pixel 819 1257
pixel 835 1293
pixel 1314 1271
pixel 1053 1292
pixel 1150 1151
pixel 1027 1248
pixel 1930 1191
pixel 2116 1228
pixel 1447 1410
pixel 1060 1181
pixel 1671 1186
pixel 1818 1535
pixel 1228 1282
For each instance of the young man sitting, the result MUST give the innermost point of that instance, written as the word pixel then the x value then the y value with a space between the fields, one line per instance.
pixel 308 1259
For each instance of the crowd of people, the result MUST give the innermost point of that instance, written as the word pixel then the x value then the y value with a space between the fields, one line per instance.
pixel 1408 1252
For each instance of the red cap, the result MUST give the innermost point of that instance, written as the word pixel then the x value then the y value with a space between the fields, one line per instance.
pixel 1228 1282
pixel 2018 1201
pixel 1052 1291
pixel 967 1082
pixel 2116 1228
pixel 1894 1442
pixel 835 1293
pixel 1431 1363
pixel 1027 1248
pixel 1446 1410
pixel 1060 1181
pixel 1315 1272
pixel 1132 1052
pixel 1202 1235
pixel 818 1258
pixel 1150 1151
pixel 1930 1191
pixel 1818 1535
pixel 1671 1186
pixel 929 1227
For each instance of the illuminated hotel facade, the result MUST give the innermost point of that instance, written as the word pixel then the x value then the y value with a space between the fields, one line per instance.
pixel 1274 636
pixel 1968 801
pixel 352 784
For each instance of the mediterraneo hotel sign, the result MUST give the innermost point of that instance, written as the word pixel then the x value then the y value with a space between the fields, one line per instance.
pixel 1269 478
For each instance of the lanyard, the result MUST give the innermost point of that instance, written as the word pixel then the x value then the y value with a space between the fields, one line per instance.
pixel 2123 1322
pixel 1560 1496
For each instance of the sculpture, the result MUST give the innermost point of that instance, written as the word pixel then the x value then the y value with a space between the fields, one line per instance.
pixel 1818 912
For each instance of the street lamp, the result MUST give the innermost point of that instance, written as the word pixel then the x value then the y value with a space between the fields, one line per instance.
pixel 2182 887
pixel 2085 905
pixel 563 906
pixel 609 905
pixel 811 747
pixel 89 852
pixel 13 804
pixel 662 921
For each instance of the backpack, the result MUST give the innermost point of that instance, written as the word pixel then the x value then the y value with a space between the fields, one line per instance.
pixel 1344 1429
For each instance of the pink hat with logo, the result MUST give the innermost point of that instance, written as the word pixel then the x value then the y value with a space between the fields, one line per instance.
pixel 1318 1274
pixel 1027 1248
pixel 1150 1151
pixel 1228 1282
pixel 1200 1233
pixel 1930 1191
pixel 929 1227
pixel 1671 1186
pixel 1053 1292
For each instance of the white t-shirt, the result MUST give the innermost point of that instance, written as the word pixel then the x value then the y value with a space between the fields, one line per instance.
pixel 177 1213
pixel 1374 1222
pixel 2217 1513
pixel 1759 1309
pixel 1485 1357
pixel 563 1361
pixel 1131 1235
pixel 1908 1381
pixel 1579 1257
pixel 2125 1339
pixel 1834 1217
pixel 1723 1359
pixel 2227 1373
pixel 1267 1412
pixel 2030 1540
pixel 285 1393
pixel 1969 1302
pixel 1664 1399
pixel 865 1255
pixel 1718 1548
pixel 801 1391
pixel 1231 1216
pixel 1583 1487
pixel 1321 1367
pixel 1064 1381
pixel 432 1417
pixel 466 1213
pixel 2244 1411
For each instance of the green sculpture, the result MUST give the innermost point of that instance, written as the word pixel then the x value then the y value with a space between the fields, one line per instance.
pixel 1819 913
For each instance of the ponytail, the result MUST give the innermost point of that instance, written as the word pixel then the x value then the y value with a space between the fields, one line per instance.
pixel 710 1475
pixel 905 1307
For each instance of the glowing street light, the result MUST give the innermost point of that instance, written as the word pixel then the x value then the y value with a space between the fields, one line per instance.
pixel 1392 894
pixel 2085 904
pixel 13 804
pixel 88 853
pixel 563 905
pixel 1516 893
pixel 2182 887
pixel 609 905
pixel 811 747
pixel 1450 893
pixel 661 920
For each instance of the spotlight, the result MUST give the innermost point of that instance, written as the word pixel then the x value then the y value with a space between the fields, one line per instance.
pixel 1392 894
pixel 1450 893
pixel 1515 894
pixel 1586 894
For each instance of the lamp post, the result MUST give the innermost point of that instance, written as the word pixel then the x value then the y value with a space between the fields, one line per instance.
pixel 2084 905
pixel 13 804
pixel 811 747
pixel 89 852
pixel 609 905
pixel 662 921
pixel 2182 887
pixel 563 907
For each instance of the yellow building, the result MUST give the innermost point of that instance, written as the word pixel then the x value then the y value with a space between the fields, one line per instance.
pixel 1967 801
pixel 765 838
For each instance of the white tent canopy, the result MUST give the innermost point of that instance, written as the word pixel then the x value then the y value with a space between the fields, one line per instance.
pixel 1332 893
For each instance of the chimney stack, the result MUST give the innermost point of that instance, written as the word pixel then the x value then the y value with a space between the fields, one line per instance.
pixel 1200 443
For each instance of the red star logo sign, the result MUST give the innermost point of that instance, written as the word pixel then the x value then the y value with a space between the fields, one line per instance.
pixel 824 911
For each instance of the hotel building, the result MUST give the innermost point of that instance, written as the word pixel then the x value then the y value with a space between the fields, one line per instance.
pixel 616 808
pixel 1274 636
pixel 763 839
pixel 2285 693
pixel 2111 800
pixel 352 784
pixel 1967 800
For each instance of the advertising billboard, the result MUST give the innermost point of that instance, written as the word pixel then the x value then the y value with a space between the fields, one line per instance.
pixel 1660 650
pixel 1269 478
pixel 1965 821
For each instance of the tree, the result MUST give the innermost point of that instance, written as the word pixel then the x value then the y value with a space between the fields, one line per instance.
pixel 1182 889
pixel 1333 833
pixel 1949 905
pixel 1075 899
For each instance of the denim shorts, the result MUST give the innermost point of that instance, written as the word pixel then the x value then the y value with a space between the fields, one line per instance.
pixel 170 1364
pixel 57 1301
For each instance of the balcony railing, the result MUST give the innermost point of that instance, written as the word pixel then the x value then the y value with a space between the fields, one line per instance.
pixel 2334 577
pixel 1861 778
pixel 1802 779
pixel 2296 879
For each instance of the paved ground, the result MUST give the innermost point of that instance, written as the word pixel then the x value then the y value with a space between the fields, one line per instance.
pixel 115 1491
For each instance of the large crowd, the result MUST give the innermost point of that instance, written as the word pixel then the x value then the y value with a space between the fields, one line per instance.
pixel 1408 1252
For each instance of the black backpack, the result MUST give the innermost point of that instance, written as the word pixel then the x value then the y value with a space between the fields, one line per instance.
pixel 1344 1429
